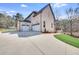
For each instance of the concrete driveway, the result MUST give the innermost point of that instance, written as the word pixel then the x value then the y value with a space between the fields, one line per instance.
pixel 44 44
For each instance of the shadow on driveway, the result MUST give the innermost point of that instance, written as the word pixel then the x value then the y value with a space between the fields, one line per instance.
pixel 24 34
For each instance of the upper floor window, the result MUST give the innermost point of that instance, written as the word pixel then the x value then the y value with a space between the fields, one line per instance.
pixel 43 23
pixel 51 25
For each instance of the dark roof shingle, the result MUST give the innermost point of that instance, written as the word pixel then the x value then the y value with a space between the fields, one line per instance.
pixel 36 13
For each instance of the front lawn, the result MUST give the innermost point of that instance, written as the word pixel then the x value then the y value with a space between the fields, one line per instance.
pixel 2 30
pixel 68 39
pixel 6 30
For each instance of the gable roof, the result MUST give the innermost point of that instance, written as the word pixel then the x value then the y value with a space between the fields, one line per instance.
pixel 41 10
pixel 36 13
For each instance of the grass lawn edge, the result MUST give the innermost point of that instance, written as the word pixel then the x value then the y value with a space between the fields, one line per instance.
pixel 68 39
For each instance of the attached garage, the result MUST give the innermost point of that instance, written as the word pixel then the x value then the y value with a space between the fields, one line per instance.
pixel 36 28
pixel 24 28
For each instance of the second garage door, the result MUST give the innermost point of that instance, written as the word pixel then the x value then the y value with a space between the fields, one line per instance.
pixel 36 28
pixel 24 28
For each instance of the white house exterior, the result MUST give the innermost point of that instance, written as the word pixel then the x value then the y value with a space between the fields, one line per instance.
pixel 43 21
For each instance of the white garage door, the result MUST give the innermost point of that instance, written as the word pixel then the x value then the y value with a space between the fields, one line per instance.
pixel 24 28
pixel 36 28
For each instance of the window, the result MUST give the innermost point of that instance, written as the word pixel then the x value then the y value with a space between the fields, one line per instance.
pixel 43 23
pixel 51 25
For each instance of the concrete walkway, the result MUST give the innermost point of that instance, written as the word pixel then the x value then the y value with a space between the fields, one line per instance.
pixel 44 44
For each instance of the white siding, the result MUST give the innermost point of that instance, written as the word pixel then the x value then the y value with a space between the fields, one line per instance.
pixel 48 18
pixel 36 20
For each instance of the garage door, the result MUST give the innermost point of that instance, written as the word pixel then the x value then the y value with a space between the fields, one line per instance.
pixel 24 28
pixel 36 28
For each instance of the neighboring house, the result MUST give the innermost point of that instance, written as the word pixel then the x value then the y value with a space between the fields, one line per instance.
pixel 43 21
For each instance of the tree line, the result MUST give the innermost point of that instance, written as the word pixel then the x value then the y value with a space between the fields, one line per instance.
pixel 7 21
pixel 71 24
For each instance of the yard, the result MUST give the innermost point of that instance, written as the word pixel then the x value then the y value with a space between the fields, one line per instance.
pixel 68 39
pixel 1 29
pixel 7 30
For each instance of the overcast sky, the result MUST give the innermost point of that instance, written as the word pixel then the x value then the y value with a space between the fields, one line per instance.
pixel 26 8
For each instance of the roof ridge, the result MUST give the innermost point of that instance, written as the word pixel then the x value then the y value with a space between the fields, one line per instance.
pixel 38 11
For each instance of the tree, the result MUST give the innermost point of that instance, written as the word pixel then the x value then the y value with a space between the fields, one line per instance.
pixel 10 21
pixel 6 21
pixel 64 23
pixel 70 13
pixel 77 13
pixel 18 17
pixel 76 16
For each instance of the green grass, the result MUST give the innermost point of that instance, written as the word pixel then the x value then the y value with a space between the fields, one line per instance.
pixel 68 39
pixel 6 30
pixel 2 30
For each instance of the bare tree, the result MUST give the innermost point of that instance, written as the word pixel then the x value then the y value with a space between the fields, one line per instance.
pixel 77 13
pixel 70 13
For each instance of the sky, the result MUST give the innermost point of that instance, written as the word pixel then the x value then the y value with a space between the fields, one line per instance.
pixel 26 8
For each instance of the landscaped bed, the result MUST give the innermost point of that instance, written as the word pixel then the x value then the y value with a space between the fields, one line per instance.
pixel 68 39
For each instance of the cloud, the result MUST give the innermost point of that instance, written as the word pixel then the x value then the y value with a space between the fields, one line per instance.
pixel 7 12
pixel 63 17
pixel 23 5
pixel 0 9
pixel 52 4
pixel 59 5
pixel 12 11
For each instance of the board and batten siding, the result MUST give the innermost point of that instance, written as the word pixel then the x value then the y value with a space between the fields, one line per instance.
pixel 43 16
pixel 48 17
pixel 36 20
